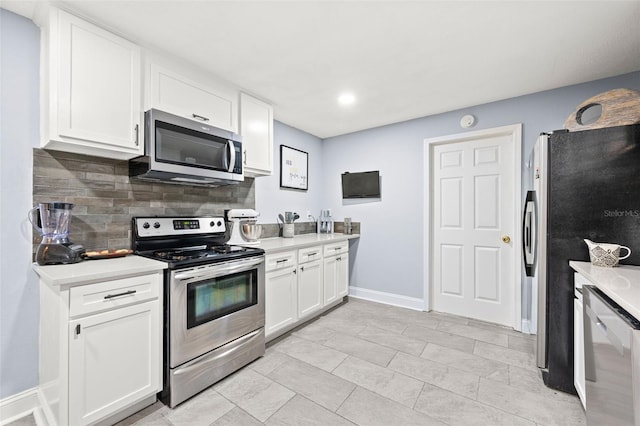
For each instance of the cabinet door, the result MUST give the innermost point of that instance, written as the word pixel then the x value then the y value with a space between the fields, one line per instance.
pixel 99 94
pixel 281 300
pixel 193 99
pixel 256 128
pixel 310 288
pixel 342 275
pixel 578 350
pixel 330 277
pixel 114 360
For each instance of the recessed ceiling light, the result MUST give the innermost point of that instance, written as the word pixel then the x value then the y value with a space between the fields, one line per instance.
pixel 346 99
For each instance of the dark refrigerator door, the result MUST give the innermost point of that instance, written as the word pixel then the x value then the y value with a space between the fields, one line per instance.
pixel 594 193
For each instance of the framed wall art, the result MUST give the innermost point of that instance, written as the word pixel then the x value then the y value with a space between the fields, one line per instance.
pixel 294 168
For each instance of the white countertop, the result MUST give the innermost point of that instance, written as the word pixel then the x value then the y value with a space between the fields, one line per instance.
pixel 272 245
pixel 91 271
pixel 620 283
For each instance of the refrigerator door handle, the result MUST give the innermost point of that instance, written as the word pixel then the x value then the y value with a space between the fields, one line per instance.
pixel 529 236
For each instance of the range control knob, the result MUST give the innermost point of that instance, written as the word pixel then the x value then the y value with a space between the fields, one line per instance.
pixel 146 225
pixel 156 225
pixel 212 224
pixel 219 223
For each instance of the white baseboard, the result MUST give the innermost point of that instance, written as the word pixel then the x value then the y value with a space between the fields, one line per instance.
pixel 19 405
pixel 528 327
pixel 387 298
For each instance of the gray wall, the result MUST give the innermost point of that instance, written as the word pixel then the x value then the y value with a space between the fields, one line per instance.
pixel 390 256
pixel 271 199
pixel 19 118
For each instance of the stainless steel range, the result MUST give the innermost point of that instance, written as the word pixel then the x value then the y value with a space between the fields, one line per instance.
pixel 213 297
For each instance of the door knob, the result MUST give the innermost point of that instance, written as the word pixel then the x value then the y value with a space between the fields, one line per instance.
pixel 506 239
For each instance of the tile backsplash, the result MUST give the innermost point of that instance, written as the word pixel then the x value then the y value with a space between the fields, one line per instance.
pixel 106 199
pixel 271 230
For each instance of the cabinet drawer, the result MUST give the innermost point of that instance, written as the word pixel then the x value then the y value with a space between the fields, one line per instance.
pixel 336 248
pixel 280 260
pixel 107 295
pixel 309 254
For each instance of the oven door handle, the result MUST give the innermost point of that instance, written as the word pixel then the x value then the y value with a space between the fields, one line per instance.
pixel 220 269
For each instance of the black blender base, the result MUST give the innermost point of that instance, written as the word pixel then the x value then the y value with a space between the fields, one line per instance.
pixel 59 254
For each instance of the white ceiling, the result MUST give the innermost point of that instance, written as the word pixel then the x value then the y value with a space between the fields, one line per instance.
pixel 401 59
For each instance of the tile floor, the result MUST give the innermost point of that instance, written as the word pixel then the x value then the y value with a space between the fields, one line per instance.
pixel 366 363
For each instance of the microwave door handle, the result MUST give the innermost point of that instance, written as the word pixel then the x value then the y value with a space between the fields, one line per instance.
pixel 232 156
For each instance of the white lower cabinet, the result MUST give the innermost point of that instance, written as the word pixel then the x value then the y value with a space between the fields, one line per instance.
pixel 310 281
pixel 100 349
pixel 280 300
pixel 336 277
pixel 303 284
pixel 342 275
pixel 336 271
pixel 281 292
pixel 113 360
pixel 578 350
pixel 578 340
pixel 310 287
pixel 330 279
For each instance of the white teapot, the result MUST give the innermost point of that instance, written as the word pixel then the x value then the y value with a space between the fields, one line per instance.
pixel 606 254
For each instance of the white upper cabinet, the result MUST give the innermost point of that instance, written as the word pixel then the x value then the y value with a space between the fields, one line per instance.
pixel 189 93
pixel 91 89
pixel 256 128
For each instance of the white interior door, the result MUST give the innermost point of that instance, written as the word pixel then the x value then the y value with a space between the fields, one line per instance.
pixel 473 226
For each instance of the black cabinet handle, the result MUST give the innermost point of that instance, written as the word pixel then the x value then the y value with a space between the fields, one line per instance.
pixel 126 293
pixel 77 329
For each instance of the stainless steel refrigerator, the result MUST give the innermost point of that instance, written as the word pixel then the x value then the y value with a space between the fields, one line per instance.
pixel 586 184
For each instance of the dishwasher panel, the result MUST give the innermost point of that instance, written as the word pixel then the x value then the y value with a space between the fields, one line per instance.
pixel 609 333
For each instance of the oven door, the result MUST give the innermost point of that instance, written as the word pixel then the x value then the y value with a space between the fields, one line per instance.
pixel 212 305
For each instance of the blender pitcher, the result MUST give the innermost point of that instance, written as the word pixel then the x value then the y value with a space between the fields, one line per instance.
pixel 55 247
pixel 55 219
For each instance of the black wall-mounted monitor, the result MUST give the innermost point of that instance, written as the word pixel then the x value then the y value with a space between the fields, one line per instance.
pixel 361 185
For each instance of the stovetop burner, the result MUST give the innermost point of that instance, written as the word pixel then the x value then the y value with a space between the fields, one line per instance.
pixel 184 242
pixel 189 254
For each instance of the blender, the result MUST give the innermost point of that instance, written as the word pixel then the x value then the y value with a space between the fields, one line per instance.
pixel 244 229
pixel 55 247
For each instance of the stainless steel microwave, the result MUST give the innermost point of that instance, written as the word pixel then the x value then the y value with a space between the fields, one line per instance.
pixel 183 151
